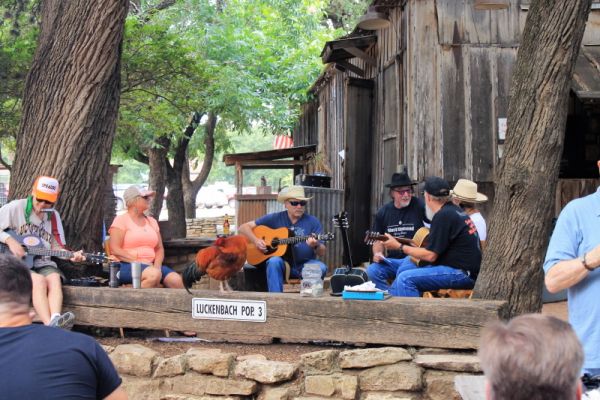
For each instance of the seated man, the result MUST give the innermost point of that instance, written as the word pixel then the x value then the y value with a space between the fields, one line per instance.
pixel 532 357
pixel 39 362
pixel 453 250
pixel 35 215
pixel 401 217
pixel 301 224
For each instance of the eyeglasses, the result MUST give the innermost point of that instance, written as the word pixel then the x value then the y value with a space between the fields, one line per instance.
pixel 298 203
pixel 44 201
pixel 403 191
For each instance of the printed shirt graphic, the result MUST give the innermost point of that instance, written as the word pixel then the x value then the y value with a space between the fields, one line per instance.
pixel 453 237
pixel 400 222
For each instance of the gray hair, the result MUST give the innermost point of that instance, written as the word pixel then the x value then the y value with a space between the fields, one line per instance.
pixel 532 357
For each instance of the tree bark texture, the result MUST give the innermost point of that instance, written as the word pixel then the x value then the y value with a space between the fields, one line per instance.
pixel 158 173
pixel 525 185
pixel 191 188
pixel 70 107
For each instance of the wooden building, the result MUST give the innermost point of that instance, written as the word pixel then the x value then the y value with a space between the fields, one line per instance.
pixel 430 93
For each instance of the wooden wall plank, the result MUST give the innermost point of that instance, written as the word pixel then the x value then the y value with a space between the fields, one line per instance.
pixel 482 114
pixel 441 323
pixel 452 94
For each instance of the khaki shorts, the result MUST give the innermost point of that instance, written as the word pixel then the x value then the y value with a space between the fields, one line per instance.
pixel 49 269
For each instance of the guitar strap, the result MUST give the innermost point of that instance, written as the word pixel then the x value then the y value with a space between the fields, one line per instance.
pixel 55 232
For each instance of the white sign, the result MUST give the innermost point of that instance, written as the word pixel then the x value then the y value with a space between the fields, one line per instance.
pixel 502 126
pixel 233 310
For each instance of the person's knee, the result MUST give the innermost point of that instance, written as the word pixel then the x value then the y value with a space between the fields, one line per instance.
pixel 173 280
pixel 151 276
pixel 38 282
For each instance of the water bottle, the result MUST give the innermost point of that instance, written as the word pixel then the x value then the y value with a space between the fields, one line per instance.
pixel 312 284
pixel 114 268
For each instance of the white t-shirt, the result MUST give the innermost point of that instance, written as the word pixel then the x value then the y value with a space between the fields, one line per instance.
pixel 480 224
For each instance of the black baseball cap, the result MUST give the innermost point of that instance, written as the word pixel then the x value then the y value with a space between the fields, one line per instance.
pixel 437 186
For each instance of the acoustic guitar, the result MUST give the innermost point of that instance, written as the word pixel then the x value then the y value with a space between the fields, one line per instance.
pixel 420 239
pixel 277 241
pixel 34 247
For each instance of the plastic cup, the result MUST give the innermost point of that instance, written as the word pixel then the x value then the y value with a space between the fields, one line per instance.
pixel 136 275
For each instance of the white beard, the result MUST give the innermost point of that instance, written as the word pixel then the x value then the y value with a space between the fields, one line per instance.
pixel 429 213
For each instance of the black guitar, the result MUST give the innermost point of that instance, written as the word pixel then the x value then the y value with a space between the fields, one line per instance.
pixel 346 275
pixel 34 247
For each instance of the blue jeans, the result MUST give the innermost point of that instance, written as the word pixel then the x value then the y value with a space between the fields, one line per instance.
pixel 124 274
pixel 380 273
pixel 276 272
pixel 411 280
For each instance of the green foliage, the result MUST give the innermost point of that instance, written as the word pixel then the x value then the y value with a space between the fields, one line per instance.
pixel 18 36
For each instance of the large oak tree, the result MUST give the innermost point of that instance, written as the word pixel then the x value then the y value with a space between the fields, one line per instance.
pixel 526 183
pixel 70 108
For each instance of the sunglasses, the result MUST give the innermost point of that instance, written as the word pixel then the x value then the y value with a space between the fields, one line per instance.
pixel 148 197
pixel 403 191
pixel 44 201
pixel 298 203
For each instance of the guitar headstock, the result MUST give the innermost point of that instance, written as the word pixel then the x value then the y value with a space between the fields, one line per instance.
pixel 326 236
pixel 372 237
pixel 95 258
pixel 341 220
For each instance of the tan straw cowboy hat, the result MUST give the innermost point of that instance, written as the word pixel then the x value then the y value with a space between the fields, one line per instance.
pixel 466 190
pixel 292 192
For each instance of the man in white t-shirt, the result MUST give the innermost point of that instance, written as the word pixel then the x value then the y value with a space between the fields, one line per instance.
pixel 34 219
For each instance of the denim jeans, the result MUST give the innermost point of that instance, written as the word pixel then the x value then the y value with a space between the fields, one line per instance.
pixel 276 272
pixel 380 273
pixel 411 280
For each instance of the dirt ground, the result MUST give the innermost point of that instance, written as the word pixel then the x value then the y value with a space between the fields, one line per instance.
pixel 275 351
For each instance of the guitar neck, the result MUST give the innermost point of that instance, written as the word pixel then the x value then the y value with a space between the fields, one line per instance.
pixel 48 252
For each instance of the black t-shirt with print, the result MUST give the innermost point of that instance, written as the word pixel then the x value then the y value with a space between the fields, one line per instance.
pixel 453 237
pixel 400 222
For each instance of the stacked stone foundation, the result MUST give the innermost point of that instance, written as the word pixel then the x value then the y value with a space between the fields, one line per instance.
pixel 360 374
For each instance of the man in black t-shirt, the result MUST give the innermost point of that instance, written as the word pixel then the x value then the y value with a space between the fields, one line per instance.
pixel 453 248
pixel 40 362
pixel 401 217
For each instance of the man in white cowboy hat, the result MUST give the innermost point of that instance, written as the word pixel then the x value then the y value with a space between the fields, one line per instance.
pixel 300 223
pixel 465 196
pixel 401 217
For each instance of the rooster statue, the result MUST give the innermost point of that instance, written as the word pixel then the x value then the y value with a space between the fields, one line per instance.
pixel 220 261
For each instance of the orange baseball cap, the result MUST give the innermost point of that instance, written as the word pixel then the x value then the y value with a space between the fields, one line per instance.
pixel 46 188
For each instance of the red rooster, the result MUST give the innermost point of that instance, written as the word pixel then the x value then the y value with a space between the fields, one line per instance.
pixel 220 261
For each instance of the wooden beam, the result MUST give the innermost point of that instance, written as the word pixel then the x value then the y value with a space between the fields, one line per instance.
pixel 443 323
pixel 361 54
pixel 351 67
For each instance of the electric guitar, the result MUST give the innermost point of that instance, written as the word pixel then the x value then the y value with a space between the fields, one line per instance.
pixel 34 247
pixel 420 239
pixel 277 241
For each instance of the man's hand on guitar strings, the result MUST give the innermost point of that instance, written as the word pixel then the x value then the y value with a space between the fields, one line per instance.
pixel 15 247
pixel 261 245
pixel 391 243
pixel 78 256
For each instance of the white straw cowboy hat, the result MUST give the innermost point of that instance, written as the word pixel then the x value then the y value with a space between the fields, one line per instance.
pixel 292 192
pixel 466 190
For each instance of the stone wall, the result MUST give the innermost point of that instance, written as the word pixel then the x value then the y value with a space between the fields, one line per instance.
pixel 362 374
pixel 205 227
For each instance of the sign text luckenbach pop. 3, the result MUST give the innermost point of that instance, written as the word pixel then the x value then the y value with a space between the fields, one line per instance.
pixel 234 310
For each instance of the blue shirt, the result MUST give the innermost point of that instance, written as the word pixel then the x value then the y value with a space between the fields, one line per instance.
pixel 306 225
pixel 40 362
pixel 577 231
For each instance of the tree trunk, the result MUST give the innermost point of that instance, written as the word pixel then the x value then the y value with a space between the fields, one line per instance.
pixel 158 173
pixel 70 107
pixel 525 186
pixel 191 188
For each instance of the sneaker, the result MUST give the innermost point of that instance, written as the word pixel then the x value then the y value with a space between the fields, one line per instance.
pixel 64 321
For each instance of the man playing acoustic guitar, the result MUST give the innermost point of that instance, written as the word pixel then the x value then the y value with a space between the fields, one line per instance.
pixel 453 248
pixel 401 217
pixel 35 216
pixel 301 224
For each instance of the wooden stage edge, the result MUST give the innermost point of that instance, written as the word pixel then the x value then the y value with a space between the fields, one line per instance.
pixel 441 323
